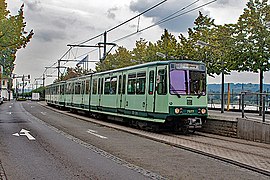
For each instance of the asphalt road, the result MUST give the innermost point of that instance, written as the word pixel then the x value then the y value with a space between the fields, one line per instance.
pixel 69 148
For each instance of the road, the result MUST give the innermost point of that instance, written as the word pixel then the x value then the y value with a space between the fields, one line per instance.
pixel 65 147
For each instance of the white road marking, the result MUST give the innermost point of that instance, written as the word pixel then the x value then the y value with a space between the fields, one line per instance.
pixel 93 132
pixel 16 134
pixel 43 113
pixel 26 133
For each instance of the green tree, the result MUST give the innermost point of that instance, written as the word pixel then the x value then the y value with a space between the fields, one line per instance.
pixel 73 72
pixel 167 45
pixel 253 41
pixel 121 58
pixel 140 52
pixel 12 36
pixel 203 30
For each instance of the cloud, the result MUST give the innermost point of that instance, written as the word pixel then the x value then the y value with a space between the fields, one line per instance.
pixel 110 13
pixel 49 35
pixel 33 5
pixel 228 3
pixel 179 24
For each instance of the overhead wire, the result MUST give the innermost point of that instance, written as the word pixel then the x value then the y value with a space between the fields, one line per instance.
pixel 121 24
pixel 168 18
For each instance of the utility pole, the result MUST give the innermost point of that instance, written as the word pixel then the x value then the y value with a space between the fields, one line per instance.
pixel 58 67
pixel 43 80
pixel 23 86
pixel 222 87
pixel 105 50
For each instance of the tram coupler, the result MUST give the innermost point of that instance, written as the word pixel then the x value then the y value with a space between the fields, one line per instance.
pixel 194 123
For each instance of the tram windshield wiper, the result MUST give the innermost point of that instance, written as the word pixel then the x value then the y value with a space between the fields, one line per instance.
pixel 175 91
pixel 200 94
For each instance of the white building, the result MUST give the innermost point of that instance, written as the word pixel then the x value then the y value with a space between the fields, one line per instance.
pixel 4 86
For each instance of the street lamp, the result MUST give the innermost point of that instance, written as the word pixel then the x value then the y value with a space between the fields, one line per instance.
pixel 202 44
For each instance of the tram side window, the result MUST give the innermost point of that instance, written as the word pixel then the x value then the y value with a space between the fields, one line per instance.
pixel 131 83
pixel 100 87
pixel 124 85
pixel 56 90
pixel 140 85
pixel 94 86
pixel 67 89
pixel 87 88
pixel 62 90
pixel 77 88
pixel 151 82
pixel 107 85
pixel 113 85
pixel 71 88
pixel 119 84
pixel 83 87
pixel 162 82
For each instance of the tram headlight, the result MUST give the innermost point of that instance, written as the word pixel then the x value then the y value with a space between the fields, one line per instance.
pixel 178 110
pixel 203 111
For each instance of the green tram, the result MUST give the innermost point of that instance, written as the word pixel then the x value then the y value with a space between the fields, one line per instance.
pixel 161 94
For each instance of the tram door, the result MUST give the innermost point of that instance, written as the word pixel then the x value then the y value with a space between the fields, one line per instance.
pixel 122 90
pixel 135 101
pixel 150 94
pixel 161 91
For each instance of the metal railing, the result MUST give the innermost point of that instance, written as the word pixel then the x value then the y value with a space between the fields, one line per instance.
pixel 243 102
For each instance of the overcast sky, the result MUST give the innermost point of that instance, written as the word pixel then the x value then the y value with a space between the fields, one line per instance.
pixel 57 23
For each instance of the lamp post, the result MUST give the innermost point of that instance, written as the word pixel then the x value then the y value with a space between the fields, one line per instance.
pixel 202 44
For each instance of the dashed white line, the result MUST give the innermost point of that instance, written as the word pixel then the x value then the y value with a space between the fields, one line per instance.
pixel 44 113
pixel 93 132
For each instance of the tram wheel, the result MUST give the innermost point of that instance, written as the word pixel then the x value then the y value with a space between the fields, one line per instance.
pixel 184 129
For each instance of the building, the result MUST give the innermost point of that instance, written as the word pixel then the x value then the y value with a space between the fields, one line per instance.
pixel 4 93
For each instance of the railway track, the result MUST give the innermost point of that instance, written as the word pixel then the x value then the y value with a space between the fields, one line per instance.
pixel 250 155
pixel 246 154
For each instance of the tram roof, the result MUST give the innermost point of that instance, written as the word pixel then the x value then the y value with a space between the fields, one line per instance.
pixel 154 63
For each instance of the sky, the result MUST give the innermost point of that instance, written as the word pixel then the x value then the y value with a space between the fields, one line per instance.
pixel 57 23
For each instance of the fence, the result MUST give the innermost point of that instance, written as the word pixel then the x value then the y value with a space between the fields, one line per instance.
pixel 234 102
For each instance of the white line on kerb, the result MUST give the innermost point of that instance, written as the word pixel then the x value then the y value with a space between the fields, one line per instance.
pixel 93 132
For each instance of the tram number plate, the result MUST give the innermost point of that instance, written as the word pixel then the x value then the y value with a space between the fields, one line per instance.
pixel 190 111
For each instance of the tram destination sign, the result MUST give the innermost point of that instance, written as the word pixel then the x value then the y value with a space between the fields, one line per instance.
pixel 190 66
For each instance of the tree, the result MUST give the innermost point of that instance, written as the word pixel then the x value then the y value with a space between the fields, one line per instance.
pixel 253 43
pixel 140 52
pixel 203 30
pixel 167 45
pixel 73 72
pixel 121 58
pixel 12 36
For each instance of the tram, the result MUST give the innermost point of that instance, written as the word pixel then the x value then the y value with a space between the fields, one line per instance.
pixel 155 95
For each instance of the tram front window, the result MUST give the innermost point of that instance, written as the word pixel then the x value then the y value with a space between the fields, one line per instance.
pixel 187 82
pixel 177 82
pixel 197 82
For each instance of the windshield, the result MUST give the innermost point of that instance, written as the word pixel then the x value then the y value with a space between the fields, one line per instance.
pixel 187 82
